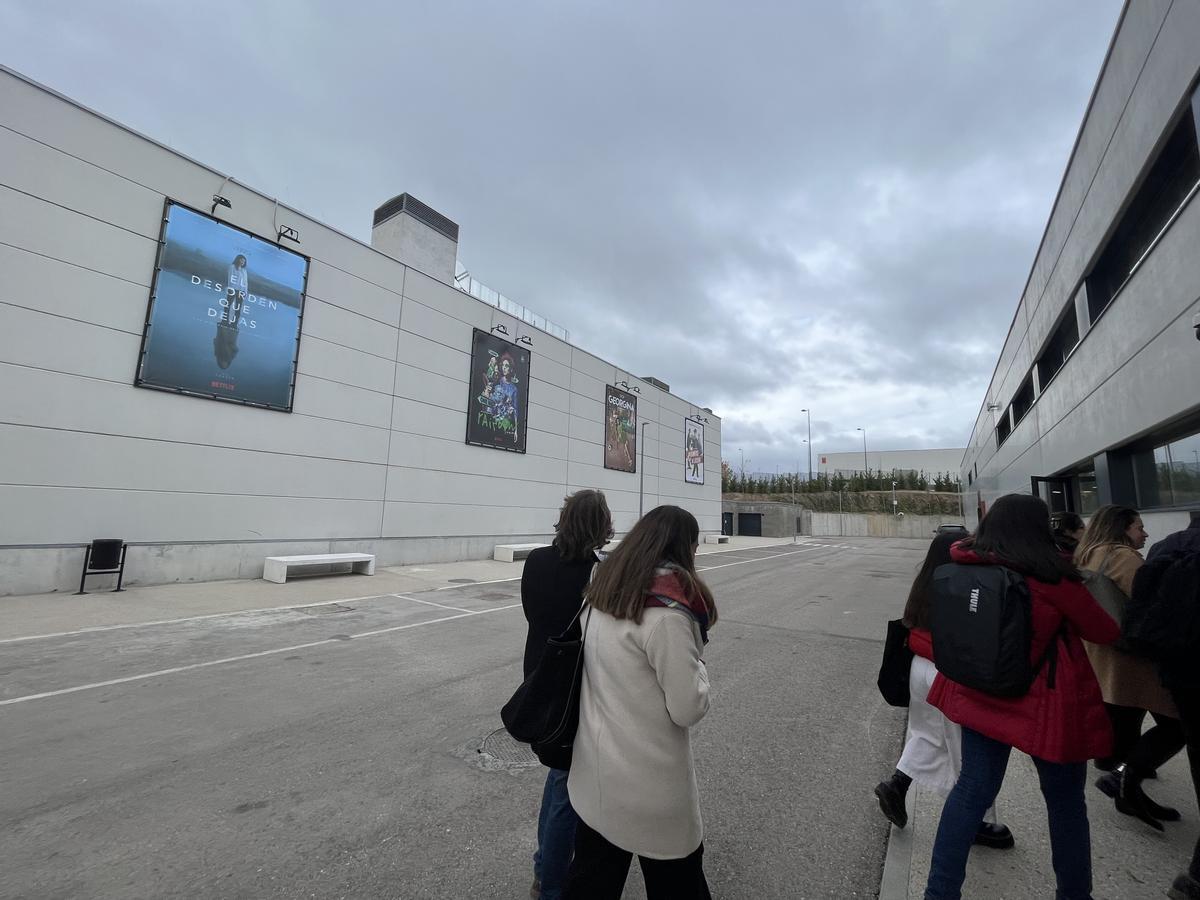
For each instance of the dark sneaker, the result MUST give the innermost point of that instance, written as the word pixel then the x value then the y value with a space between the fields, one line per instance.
pixel 891 801
pixel 1185 888
pixel 998 837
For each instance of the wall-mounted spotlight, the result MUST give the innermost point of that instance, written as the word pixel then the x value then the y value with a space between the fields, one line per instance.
pixel 622 384
pixel 526 340
pixel 288 232
pixel 218 200
pixel 696 417
pixel 500 329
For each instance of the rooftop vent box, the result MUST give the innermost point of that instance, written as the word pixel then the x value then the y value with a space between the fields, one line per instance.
pixel 417 235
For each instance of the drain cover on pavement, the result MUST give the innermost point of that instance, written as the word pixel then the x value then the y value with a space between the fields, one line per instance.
pixel 501 751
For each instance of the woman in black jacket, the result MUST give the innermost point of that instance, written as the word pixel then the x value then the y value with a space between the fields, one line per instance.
pixel 552 586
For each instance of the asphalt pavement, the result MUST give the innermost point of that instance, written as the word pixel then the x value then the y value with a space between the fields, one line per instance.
pixel 349 746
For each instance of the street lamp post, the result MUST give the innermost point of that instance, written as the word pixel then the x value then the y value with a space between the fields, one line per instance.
pixel 894 504
pixel 808 414
pixel 642 466
pixel 866 468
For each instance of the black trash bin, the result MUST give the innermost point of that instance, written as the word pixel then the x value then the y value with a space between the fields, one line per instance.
pixel 104 556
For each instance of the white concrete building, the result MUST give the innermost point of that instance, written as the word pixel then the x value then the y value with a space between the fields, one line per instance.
pixel 1096 396
pixel 932 462
pixel 372 455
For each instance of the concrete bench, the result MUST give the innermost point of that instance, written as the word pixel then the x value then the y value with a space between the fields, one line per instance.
pixel 276 567
pixel 716 539
pixel 513 552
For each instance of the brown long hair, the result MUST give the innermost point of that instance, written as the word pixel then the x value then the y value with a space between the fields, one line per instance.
pixel 1108 525
pixel 584 525
pixel 1016 533
pixel 667 536
pixel 916 610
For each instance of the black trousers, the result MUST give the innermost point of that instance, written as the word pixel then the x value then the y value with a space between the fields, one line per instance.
pixel 599 870
pixel 1143 753
pixel 1187 699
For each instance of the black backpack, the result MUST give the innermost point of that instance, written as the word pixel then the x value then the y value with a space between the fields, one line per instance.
pixel 982 626
pixel 1162 618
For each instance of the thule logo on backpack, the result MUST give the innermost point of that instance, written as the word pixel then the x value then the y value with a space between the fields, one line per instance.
pixel 975 600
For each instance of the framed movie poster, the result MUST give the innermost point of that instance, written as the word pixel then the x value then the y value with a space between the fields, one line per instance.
pixel 693 452
pixel 499 397
pixel 225 313
pixel 620 430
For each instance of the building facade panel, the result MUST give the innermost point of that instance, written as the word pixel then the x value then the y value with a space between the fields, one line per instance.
pixel 1108 418
pixel 373 454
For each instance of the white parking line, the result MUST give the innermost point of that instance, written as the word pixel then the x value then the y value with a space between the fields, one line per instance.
pixel 232 659
pixel 759 559
pixel 431 603
pixel 224 615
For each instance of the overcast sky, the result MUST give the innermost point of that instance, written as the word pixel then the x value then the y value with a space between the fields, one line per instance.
pixel 768 205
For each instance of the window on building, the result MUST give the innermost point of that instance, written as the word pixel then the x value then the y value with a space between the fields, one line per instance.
pixel 1003 429
pixel 1023 402
pixel 1089 495
pixel 1061 343
pixel 1169 183
pixel 1177 472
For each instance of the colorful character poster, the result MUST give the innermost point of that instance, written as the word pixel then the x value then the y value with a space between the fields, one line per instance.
pixel 693 452
pixel 225 313
pixel 499 393
pixel 620 430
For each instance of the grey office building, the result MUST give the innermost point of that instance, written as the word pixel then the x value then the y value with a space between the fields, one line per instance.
pixel 1096 396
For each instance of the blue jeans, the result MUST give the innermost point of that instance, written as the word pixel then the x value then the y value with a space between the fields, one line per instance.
pixel 983 764
pixel 556 835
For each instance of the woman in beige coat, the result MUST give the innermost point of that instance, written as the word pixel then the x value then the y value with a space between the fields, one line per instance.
pixel 633 782
pixel 1130 684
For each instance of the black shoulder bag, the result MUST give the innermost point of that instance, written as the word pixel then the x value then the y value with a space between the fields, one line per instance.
pixel 897 660
pixel 544 710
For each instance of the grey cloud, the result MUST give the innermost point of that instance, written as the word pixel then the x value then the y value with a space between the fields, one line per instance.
pixel 769 206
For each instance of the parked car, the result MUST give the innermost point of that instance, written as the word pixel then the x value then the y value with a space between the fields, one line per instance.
pixel 951 528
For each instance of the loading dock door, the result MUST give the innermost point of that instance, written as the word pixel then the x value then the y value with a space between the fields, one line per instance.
pixel 750 524
pixel 727 523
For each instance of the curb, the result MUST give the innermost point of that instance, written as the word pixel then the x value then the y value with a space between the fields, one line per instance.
pixel 897 865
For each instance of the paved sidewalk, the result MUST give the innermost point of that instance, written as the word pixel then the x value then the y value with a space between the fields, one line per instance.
pixel 1130 861
pixel 34 614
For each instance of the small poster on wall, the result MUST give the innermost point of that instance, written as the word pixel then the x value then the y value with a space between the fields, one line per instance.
pixel 693 452
pixel 499 397
pixel 620 430
pixel 225 312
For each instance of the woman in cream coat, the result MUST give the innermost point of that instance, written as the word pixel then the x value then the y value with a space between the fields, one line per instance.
pixel 633 781
pixel 1130 684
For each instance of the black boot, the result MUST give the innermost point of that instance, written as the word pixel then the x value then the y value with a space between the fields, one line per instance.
pixel 1132 801
pixel 891 794
pixel 1185 888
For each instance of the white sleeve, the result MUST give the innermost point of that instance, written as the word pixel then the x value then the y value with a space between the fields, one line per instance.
pixel 674 654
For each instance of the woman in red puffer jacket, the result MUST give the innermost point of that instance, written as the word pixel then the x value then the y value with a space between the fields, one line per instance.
pixel 1061 724
pixel 932 754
